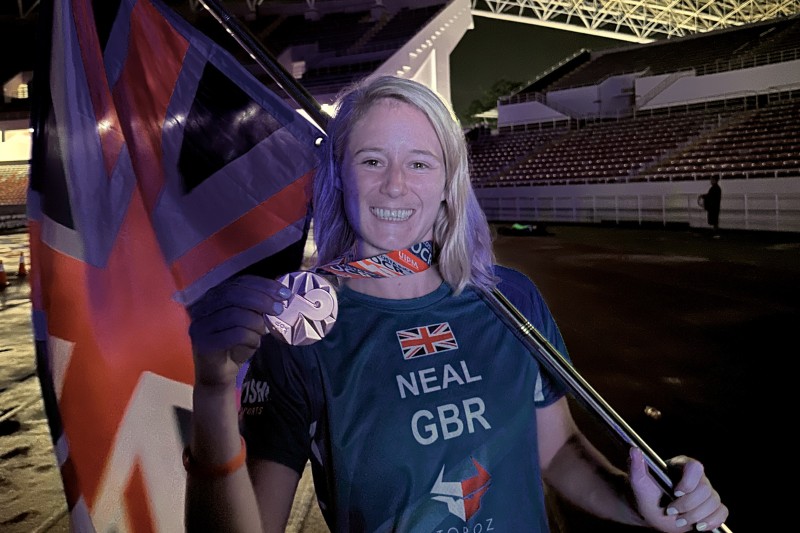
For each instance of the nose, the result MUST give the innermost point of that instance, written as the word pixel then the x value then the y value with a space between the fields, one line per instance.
pixel 394 183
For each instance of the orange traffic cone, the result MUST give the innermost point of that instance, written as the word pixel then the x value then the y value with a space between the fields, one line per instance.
pixel 23 271
pixel 3 278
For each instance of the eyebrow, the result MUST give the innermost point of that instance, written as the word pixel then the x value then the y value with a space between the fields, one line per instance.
pixel 380 150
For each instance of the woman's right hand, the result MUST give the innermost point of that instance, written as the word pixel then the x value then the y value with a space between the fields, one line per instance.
pixel 227 324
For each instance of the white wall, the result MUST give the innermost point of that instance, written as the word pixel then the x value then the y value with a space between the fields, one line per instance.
pixel 770 204
pixel 581 101
pixel 527 112
pixel 15 144
pixel 689 89
pixel 616 95
pixel 426 56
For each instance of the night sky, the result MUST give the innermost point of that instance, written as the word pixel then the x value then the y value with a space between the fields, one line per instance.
pixel 497 49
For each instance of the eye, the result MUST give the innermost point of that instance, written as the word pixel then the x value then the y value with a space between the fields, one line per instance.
pixel 370 162
pixel 419 165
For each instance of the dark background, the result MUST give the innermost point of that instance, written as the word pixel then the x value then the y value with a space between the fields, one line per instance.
pixel 499 50
pixel 703 330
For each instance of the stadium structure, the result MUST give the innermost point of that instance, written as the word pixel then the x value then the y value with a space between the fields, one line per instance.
pixel 626 135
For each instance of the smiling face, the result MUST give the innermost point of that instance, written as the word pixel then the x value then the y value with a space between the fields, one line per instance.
pixel 393 177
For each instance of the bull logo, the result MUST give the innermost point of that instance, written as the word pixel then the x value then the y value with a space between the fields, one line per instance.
pixel 463 498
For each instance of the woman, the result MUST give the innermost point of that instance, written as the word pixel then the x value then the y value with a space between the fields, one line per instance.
pixel 419 411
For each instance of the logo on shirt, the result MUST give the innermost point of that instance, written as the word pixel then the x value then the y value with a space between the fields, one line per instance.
pixel 426 340
pixel 463 498
pixel 254 395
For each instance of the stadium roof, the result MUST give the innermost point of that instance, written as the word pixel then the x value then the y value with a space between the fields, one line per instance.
pixel 629 20
pixel 636 20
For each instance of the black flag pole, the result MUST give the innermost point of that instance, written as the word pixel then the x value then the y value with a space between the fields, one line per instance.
pixel 268 62
pixel 557 365
pixel 548 356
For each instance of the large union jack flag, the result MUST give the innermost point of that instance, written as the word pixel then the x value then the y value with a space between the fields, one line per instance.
pixel 426 340
pixel 160 166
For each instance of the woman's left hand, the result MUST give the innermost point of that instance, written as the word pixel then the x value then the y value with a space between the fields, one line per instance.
pixel 694 506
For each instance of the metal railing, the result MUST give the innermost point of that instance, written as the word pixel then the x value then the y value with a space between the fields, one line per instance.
pixel 768 211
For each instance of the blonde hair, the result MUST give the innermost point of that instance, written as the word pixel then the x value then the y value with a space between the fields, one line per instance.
pixel 461 236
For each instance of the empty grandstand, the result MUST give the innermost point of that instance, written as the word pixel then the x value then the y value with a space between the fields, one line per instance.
pixel 15 148
pixel 13 191
pixel 633 134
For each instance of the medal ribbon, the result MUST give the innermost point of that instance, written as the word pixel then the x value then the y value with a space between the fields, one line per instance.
pixel 413 260
pixel 311 311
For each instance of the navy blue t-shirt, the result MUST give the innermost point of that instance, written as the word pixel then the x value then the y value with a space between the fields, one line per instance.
pixel 417 415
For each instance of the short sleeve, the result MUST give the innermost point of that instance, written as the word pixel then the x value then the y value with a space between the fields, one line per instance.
pixel 525 296
pixel 276 410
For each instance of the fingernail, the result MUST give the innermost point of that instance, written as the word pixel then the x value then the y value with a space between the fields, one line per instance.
pixel 680 522
pixel 701 526
pixel 671 511
pixel 277 307
pixel 679 493
pixel 284 293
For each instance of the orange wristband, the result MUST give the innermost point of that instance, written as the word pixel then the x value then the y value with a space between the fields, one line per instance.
pixel 196 469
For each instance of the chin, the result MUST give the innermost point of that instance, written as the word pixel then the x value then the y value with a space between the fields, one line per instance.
pixel 388 241
pixel 386 245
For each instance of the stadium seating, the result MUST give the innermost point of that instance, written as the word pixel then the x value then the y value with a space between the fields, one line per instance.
pixel 733 139
pixel 733 135
pixel 399 28
pixel 13 184
pixel 763 142
pixel 492 155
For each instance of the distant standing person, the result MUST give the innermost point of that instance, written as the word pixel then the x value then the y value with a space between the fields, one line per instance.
pixel 711 201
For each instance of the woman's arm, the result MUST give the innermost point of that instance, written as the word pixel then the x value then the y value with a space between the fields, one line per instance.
pixel 226 329
pixel 582 475
pixel 275 486
pixel 260 501
pixel 578 471
pixel 226 502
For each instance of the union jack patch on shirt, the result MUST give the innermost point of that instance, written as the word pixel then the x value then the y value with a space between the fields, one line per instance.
pixel 426 340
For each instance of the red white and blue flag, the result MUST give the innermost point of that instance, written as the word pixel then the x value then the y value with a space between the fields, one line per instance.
pixel 159 167
pixel 426 340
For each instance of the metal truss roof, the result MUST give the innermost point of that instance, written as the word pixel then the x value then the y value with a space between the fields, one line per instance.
pixel 636 20
pixel 628 20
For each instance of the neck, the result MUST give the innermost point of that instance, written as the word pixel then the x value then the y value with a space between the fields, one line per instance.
pixel 398 288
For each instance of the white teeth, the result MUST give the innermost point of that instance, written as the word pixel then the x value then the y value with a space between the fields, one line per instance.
pixel 393 215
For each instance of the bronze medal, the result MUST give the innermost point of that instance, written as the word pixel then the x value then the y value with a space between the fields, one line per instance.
pixel 309 313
